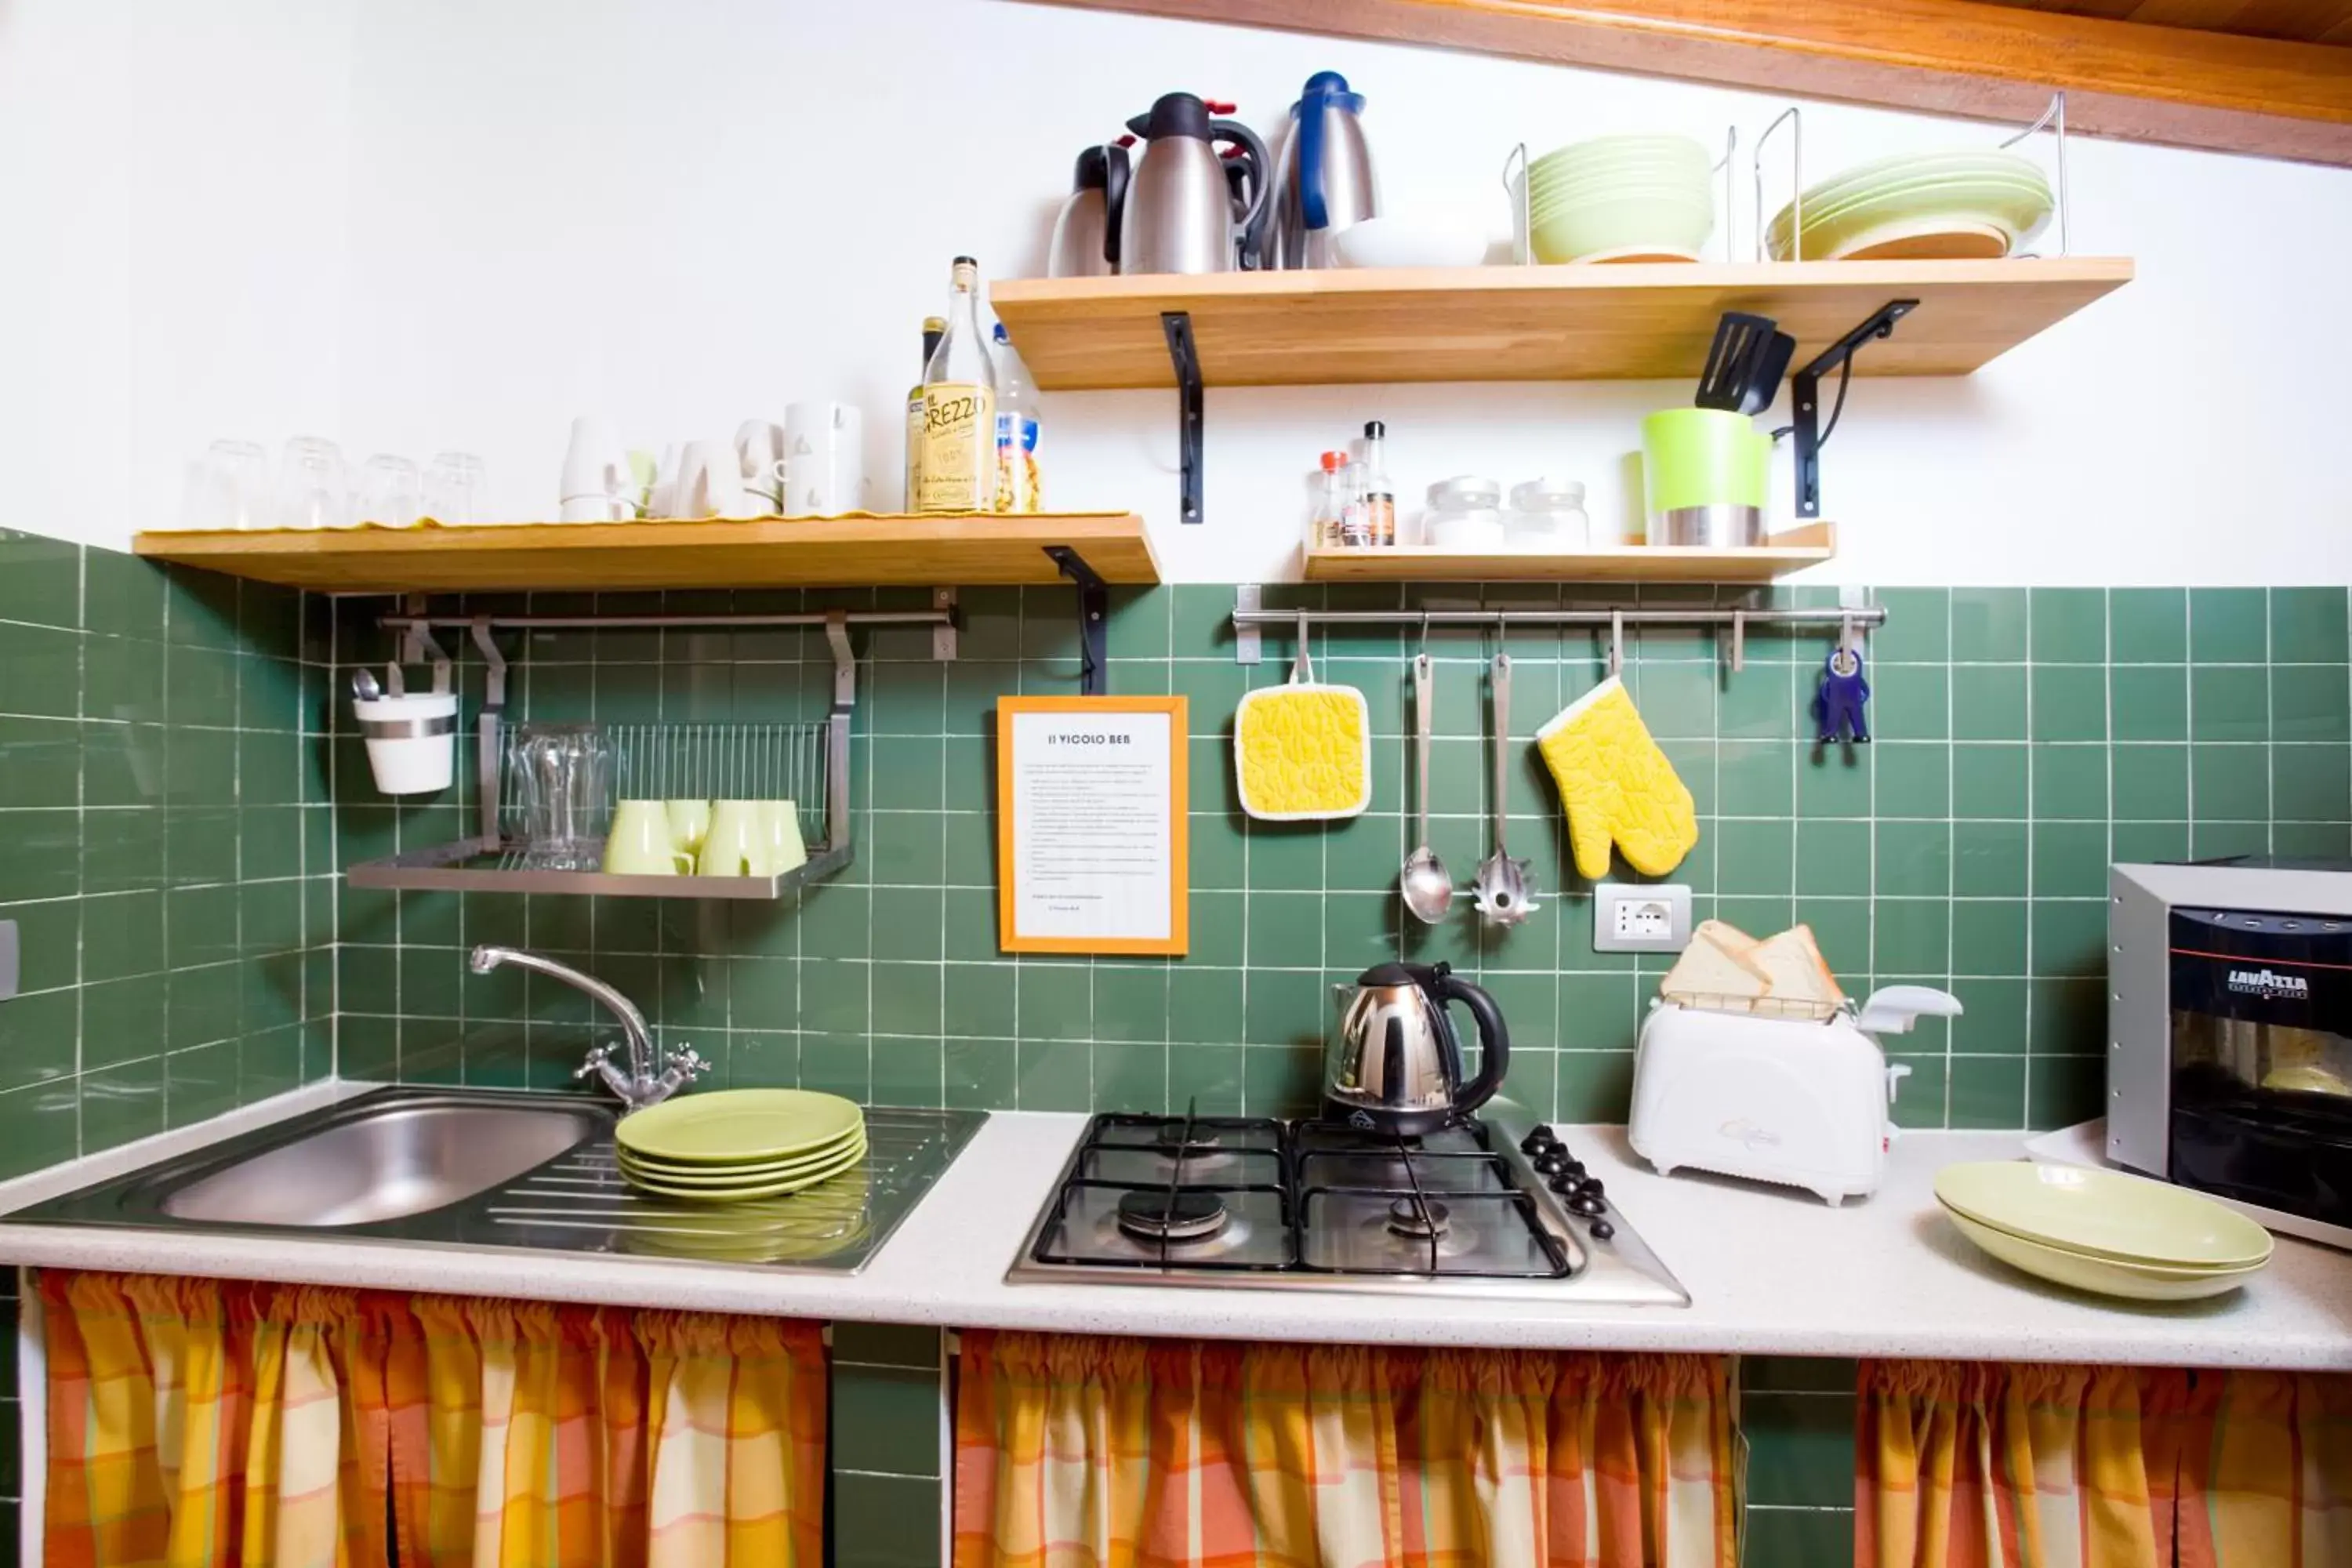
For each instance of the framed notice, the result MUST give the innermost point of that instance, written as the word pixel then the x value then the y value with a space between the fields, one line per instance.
pixel 1090 825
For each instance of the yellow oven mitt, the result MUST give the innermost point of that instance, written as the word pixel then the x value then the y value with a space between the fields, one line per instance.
pixel 1617 785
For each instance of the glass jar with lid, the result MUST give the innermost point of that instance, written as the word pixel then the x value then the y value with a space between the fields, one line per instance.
pixel 1547 517
pixel 1464 513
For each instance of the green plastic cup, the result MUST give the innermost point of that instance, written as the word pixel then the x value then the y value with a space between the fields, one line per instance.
pixel 1703 456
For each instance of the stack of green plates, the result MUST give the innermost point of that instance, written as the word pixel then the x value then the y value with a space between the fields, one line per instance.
pixel 740 1143
pixel 1618 198
pixel 1922 206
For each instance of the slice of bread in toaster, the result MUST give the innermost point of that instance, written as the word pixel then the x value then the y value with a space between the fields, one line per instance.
pixel 1792 961
pixel 1716 970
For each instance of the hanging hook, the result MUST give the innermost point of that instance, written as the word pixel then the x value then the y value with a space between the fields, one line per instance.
pixel 1738 641
pixel 1301 672
pixel 1616 641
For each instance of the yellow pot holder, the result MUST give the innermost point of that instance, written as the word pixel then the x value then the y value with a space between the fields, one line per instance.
pixel 1618 787
pixel 1303 752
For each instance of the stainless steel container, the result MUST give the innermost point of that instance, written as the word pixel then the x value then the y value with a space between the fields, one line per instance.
pixel 1720 527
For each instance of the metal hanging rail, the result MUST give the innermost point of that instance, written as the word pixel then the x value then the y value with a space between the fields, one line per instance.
pixel 1850 621
pixel 1870 616
pixel 658 623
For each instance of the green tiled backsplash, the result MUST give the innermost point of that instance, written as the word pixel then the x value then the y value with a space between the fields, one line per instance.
pixel 2025 738
pixel 166 848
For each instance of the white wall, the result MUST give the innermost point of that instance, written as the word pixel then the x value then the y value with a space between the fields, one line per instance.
pixel 421 224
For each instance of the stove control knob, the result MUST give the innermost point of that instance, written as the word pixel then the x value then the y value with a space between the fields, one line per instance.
pixel 1536 1142
pixel 1591 1208
pixel 1590 1186
pixel 1550 1163
pixel 1602 1230
pixel 1562 1184
pixel 1574 1167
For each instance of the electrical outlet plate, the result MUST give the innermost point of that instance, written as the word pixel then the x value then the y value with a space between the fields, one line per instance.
pixel 1633 917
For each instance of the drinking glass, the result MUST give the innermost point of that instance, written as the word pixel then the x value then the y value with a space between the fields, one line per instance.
pixel 313 488
pixel 230 489
pixel 389 492
pixel 453 487
pixel 564 779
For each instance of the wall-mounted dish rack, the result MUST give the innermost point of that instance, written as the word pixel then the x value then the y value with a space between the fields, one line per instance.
pixel 807 763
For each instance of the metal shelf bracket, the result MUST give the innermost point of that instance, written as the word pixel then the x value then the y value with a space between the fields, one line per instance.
pixel 1185 355
pixel 1805 397
pixel 1093 618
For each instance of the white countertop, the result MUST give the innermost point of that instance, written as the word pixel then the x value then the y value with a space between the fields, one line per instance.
pixel 1769 1272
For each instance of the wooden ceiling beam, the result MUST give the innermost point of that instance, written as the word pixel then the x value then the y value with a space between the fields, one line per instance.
pixel 2126 80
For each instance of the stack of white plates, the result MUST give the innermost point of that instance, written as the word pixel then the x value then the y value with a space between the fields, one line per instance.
pixel 1618 198
pixel 740 1143
pixel 2102 1231
pixel 1923 206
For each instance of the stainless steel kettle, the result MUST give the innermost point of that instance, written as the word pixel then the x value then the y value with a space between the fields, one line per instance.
pixel 1393 1065
pixel 1323 169
pixel 1086 234
pixel 1178 213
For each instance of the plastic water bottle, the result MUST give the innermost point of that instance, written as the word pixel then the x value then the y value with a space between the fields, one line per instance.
pixel 1020 486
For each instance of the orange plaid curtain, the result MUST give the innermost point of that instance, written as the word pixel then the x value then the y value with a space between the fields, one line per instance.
pixel 198 1422
pixel 1115 1453
pixel 1969 1464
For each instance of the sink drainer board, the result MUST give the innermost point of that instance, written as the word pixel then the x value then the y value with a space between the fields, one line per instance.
pixel 424 1181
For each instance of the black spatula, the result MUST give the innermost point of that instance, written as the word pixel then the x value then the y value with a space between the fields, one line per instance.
pixel 1745 364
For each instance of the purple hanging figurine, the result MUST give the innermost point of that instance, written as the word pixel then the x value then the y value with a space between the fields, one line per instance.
pixel 1843 691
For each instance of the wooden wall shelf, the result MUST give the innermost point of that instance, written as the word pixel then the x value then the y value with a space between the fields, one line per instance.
pixel 1643 320
pixel 772 552
pixel 1791 551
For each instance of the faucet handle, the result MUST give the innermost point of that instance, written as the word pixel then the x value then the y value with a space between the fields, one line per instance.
pixel 688 1064
pixel 594 1063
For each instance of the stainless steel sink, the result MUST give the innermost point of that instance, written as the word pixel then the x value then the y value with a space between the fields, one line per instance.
pixel 401 1160
pixel 511 1169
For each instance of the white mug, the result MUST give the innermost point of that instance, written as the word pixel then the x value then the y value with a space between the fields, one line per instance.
pixel 761 447
pixel 710 483
pixel 825 460
pixel 597 485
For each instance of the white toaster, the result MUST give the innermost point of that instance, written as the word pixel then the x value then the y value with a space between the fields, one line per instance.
pixel 1801 1101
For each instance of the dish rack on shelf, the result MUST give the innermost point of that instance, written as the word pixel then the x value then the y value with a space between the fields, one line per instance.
pixel 806 763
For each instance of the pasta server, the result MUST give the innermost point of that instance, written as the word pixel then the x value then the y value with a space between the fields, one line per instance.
pixel 1501 887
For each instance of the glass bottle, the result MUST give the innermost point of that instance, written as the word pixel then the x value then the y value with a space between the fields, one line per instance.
pixel 1019 485
pixel 1323 526
pixel 1355 516
pixel 959 463
pixel 934 327
pixel 1379 496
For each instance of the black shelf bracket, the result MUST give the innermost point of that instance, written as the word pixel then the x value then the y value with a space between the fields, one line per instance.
pixel 1093 618
pixel 1185 355
pixel 1805 397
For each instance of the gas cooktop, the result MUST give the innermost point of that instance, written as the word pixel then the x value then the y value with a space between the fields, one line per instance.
pixel 1495 1207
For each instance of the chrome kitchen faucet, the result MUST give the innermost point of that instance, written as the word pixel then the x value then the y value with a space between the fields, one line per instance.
pixel 640 1086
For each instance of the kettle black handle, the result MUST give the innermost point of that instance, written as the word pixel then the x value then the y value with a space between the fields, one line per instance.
pixel 1494 1040
pixel 1252 224
pixel 1114 173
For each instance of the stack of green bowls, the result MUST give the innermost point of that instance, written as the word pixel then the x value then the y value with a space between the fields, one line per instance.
pixel 1617 198
pixel 1919 207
